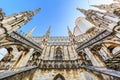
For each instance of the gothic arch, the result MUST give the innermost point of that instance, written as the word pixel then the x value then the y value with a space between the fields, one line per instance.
pixel 18 45
pixel 50 66
pixel 59 77
pixel 58 54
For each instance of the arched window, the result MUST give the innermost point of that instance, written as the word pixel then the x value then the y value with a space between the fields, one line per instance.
pixel 59 77
pixel 59 54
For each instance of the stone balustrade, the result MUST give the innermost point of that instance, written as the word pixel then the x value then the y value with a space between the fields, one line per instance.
pixel 59 64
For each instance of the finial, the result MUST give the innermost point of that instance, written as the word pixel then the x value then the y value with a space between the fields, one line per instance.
pixel 2 14
pixel 71 36
pixel 95 6
pixel 82 10
pixel 68 28
pixel 36 11
pixel 69 31
pixel 30 32
pixel 49 29
pixel 103 7
pixel 47 33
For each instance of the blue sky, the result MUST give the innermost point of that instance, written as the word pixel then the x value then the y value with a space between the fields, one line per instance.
pixel 55 13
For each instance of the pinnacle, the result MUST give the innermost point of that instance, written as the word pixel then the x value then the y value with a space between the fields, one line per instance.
pixel 82 10
pixel 36 11
pixel 95 6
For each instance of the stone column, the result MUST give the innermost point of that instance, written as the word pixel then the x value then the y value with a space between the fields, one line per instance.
pixel 70 52
pixel 47 53
pixel 16 58
pixel 24 59
pixel 52 53
pixel 43 52
pixel 105 51
pixel 94 59
pixel 75 54
pixel 15 53
pixel 66 53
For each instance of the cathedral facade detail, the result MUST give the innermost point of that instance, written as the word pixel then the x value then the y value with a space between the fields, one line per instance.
pixel 93 55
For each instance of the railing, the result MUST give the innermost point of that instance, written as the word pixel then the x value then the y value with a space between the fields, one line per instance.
pixel 97 38
pixel 8 73
pixel 59 64
pixel 24 40
pixel 103 70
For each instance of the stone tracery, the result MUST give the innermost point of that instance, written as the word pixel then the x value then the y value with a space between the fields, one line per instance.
pixel 94 54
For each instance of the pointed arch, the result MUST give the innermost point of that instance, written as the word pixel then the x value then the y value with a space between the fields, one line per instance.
pixel 58 54
pixel 58 48
pixel 59 77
